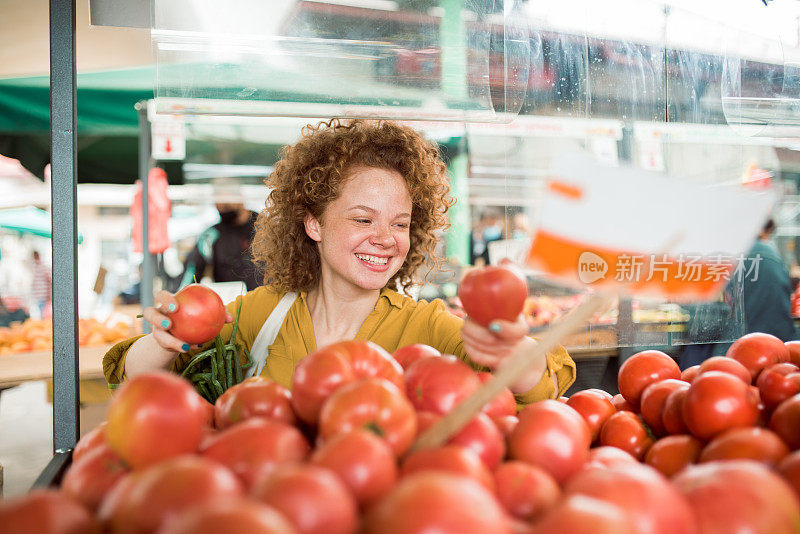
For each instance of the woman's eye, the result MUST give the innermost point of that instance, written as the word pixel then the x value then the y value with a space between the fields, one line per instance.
pixel 362 221
pixel 402 225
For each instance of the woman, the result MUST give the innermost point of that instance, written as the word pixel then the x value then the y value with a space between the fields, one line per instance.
pixel 353 214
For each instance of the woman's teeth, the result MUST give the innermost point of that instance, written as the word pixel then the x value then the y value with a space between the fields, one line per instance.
pixel 374 260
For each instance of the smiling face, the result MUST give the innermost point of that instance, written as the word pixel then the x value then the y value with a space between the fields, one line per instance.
pixel 363 235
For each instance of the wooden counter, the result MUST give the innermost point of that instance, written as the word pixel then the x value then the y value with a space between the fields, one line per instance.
pixel 27 366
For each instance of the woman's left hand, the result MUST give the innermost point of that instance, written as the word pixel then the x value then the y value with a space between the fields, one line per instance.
pixel 491 346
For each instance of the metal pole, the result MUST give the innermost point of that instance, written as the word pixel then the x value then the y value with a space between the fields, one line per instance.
pixel 146 291
pixel 63 126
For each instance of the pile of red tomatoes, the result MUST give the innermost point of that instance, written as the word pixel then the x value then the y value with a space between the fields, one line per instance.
pixel 709 450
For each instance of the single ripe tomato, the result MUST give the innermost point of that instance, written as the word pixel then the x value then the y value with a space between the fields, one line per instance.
pixel 738 496
pixel 653 400
pixel 688 374
pixel 452 459
pixel 789 469
pixel 672 453
pixel 255 397
pixel 757 351
pixel 579 513
pixel 672 414
pixel 155 416
pixel 322 372
pixel 200 315
pixel 439 384
pixel 643 369
pixel 746 443
pixel 407 355
pixel 253 446
pixel 777 383
pixel 93 475
pixel 524 490
pixel 794 352
pixel 553 436
pixel 45 512
pixel 504 404
pixel 605 456
pixel 726 365
pixel 92 439
pixel 437 502
pixel 480 434
pixel 374 404
pixel 313 498
pixel 363 461
pixel 594 407
pixel 785 421
pixel 625 430
pixel 717 401
pixel 490 293
pixel 236 516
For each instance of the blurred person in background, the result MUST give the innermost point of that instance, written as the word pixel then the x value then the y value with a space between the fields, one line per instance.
pixel 489 228
pixel 767 289
pixel 225 247
pixel 41 287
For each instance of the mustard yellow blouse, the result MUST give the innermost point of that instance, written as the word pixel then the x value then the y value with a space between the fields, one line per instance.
pixel 396 321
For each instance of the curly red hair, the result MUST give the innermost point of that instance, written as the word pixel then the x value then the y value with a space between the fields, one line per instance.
pixel 309 176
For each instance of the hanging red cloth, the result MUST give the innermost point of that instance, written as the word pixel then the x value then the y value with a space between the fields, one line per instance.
pixel 159 211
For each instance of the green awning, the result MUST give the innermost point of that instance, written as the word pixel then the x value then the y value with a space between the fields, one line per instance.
pixel 28 220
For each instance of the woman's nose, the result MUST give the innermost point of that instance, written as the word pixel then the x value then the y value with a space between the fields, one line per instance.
pixel 383 238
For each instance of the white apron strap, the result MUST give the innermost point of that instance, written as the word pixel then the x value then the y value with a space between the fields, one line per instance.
pixel 269 331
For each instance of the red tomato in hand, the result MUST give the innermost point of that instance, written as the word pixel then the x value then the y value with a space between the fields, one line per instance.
pixel 45 512
pixel 524 490
pixel 407 355
pixel 363 461
pixel 643 369
pixel 726 365
pixel 595 408
pixel 437 502
pixel 553 436
pixel 672 453
pixel 625 430
pixel 155 416
pixel 256 445
pixel 757 351
pixel 255 397
pixel 785 421
pixel 374 404
pixel 452 459
pixel 439 384
pixel 200 315
pixel 717 401
pixel 739 496
pixel 653 400
pixel 322 372
pixel 241 516
pixel 749 443
pixel 490 293
pixel 313 498
pixel 777 383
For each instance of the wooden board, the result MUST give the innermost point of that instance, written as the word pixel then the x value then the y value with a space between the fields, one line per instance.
pixel 27 366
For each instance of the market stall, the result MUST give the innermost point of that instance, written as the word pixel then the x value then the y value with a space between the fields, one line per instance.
pixel 412 440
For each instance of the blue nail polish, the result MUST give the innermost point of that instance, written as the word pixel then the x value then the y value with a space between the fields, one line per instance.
pixel 185 347
pixel 165 324
pixel 495 327
pixel 172 307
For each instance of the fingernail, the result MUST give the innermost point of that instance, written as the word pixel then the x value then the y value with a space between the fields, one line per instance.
pixel 495 327
pixel 172 307
pixel 165 324
pixel 185 347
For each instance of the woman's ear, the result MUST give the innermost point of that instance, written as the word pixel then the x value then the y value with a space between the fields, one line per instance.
pixel 312 228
